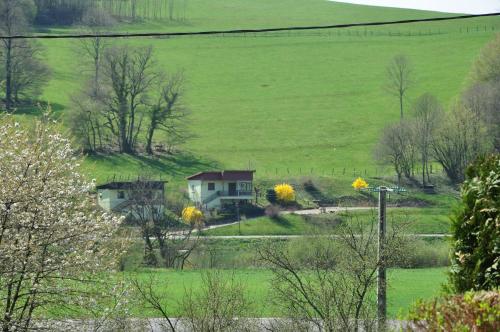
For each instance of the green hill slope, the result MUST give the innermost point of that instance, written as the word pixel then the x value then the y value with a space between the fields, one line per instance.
pixel 295 102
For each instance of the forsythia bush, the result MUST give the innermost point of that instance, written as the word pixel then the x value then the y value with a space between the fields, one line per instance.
pixel 284 192
pixel 471 311
pixel 192 216
pixel 359 183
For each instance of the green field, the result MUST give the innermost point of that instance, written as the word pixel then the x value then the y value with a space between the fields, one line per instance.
pixel 284 103
pixel 415 220
pixel 405 287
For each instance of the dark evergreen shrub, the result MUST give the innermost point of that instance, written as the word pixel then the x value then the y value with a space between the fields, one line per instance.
pixel 476 229
pixel 271 196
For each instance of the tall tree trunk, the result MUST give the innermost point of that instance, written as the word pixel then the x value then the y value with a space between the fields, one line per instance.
pixel 8 75
pixel 122 123
pixel 149 140
pixel 401 105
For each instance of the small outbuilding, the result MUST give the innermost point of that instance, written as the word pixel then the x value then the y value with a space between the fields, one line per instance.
pixel 130 196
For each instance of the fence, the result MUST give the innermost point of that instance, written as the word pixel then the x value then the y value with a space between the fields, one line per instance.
pixel 339 172
pixel 360 33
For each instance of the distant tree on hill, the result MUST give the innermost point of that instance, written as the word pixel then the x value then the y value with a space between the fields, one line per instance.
pixel 459 140
pixel 427 118
pixel 483 96
pixel 21 68
pixel 487 65
pixel 483 99
pixel 397 147
pixel 128 76
pixel 399 79
pixel 167 112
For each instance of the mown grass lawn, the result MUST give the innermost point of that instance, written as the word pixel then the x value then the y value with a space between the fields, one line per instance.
pixel 283 105
pixel 414 220
pixel 405 287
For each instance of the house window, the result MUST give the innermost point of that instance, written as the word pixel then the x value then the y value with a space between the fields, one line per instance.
pixel 121 194
pixel 211 186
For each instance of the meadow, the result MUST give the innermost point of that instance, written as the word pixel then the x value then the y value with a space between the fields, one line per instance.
pixel 405 287
pixel 414 221
pixel 282 103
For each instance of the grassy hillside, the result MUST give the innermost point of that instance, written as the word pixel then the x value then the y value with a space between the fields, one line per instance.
pixel 290 102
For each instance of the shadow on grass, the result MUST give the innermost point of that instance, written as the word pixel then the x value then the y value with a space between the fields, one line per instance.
pixel 37 108
pixel 125 166
pixel 281 221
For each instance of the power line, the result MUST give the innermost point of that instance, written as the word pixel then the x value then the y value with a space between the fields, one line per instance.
pixel 220 32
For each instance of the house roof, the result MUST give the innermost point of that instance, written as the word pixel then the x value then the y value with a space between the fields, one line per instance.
pixel 132 184
pixel 223 175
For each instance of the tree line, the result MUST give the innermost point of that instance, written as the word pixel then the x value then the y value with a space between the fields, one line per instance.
pixel 67 12
pixel 426 133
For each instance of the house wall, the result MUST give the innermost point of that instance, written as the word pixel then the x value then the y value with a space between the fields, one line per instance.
pixel 108 198
pixel 198 191
pixel 194 190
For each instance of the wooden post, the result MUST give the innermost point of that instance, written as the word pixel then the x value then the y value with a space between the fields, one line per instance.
pixel 238 216
pixel 381 277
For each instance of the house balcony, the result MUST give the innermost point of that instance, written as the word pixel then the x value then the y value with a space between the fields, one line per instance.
pixel 235 194
pixel 232 194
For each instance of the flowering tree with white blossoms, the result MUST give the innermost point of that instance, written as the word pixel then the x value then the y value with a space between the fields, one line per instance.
pixel 52 237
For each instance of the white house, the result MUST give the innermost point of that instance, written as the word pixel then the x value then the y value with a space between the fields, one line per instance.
pixel 146 198
pixel 209 190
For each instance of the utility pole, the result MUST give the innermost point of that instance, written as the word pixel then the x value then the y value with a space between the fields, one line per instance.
pixel 381 275
pixel 381 271
pixel 238 216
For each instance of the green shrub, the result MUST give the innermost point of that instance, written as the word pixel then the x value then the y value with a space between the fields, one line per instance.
pixel 423 254
pixel 468 312
pixel 476 229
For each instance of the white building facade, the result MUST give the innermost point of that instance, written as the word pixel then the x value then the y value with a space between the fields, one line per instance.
pixel 212 190
pixel 132 197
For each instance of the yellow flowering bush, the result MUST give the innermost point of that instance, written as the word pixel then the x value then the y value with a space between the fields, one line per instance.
pixel 284 192
pixel 192 216
pixel 359 183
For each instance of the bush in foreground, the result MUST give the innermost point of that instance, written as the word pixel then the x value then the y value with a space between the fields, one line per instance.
pixel 468 312
pixel 476 232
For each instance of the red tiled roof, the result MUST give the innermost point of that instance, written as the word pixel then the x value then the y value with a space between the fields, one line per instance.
pixel 223 175
pixel 132 185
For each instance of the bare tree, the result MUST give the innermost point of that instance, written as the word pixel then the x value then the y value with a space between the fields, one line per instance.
pixel 220 305
pixel 52 237
pixel 329 287
pixel 15 16
pixel 93 49
pixel 461 138
pixel 152 299
pixel 29 74
pixel 428 115
pixel 128 77
pixel 168 112
pixel 175 240
pixel 483 99
pixel 396 146
pixel 86 120
pixel 400 79
pixel 487 65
